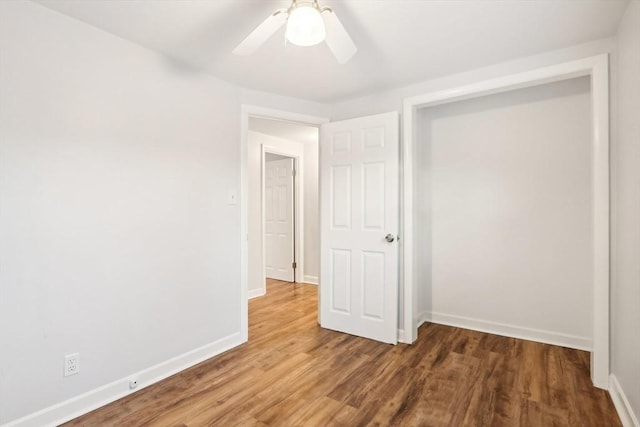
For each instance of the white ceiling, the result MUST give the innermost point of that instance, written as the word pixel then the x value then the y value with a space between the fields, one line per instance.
pixel 399 41
pixel 283 129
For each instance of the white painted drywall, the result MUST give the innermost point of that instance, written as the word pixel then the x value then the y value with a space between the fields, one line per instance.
pixel 505 221
pixel 116 238
pixel 625 292
pixel 308 151
pixel 115 167
pixel 311 213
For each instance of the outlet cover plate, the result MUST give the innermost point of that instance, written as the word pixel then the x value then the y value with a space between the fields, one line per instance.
pixel 71 364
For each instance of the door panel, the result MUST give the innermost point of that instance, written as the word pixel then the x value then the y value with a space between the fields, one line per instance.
pixel 279 223
pixel 341 280
pixel 341 197
pixel 359 207
pixel 373 196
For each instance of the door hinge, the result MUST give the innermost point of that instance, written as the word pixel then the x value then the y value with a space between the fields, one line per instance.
pixel 294 265
pixel 293 172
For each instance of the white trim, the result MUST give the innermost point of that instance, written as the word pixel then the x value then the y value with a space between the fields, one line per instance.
pixel 423 317
pixel 513 331
pixel 601 230
pixel 400 335
pixel 245 112
pixel 289 116
pixel 620 401
pixel 255 293
pixel 312 280
pixel 69 409
pixel 597 67
pixel 244 222
pixel 298 162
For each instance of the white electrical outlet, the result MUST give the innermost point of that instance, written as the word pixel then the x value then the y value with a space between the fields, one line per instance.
pixel 71 364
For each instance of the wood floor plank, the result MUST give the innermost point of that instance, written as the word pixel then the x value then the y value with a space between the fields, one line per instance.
pixel 294 373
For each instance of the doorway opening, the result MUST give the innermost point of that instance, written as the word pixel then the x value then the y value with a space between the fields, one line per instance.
pixel 597 69
pixel 282 203
pixel 279 213
pixel 367 150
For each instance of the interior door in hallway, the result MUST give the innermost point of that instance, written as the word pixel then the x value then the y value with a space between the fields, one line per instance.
pixel 279 219
pixel 359 226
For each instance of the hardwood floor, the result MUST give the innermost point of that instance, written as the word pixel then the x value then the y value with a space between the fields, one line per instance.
pixel 293 373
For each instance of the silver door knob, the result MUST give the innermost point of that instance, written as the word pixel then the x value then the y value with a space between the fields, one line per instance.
pixel 389 238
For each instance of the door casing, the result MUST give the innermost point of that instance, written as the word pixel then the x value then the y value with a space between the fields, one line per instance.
pixel 597 67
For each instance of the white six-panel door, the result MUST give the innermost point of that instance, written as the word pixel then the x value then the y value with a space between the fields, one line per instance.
pixel 279 222
pixel 359 214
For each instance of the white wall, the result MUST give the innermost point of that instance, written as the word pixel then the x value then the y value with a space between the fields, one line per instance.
pixel 307 151
pixel 625 310
pixel 116 239
pixel 505 224
pixel 311 213
pixel 112 196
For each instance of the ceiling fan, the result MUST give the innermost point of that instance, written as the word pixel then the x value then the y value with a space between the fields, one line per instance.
pixel 307 24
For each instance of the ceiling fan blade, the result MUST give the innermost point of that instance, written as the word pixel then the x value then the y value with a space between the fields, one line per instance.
pixel 337 38
pixel 262 33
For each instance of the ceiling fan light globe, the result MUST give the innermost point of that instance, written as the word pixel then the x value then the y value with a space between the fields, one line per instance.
pixel 305 26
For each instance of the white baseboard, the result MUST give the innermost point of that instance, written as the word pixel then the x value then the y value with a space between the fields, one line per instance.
pixel 424 317
pixel 93 399
pixel 401 335
pixel 255 293
pixel 620 401
pixel 312 280
pixel 547 337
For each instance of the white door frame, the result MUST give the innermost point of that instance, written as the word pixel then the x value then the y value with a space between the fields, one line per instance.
pixel 298 189
pixel 597 67
pixel 245 112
